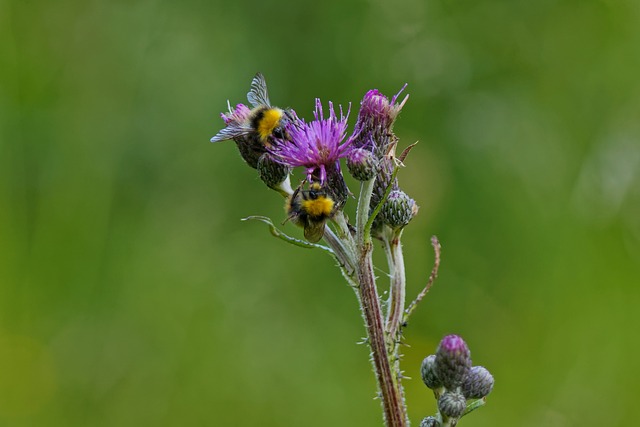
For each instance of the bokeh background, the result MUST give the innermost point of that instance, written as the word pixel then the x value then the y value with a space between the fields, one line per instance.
pixel 131 294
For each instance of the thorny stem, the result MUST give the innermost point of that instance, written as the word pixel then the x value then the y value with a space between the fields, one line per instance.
pixel 393 404
pixel 392 399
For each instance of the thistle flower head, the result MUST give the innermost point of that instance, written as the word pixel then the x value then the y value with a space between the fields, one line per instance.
pixel 430 422
pixel 239 130
pixel 428 373
pixel 375 120
pixel 453 361
pixel 478 383
pixel 399 209
pixel 379 109
pixel 238 115
pixel 236 122
pixel 274 174
pixel 452 404
pixel 362 164
pixel 316 146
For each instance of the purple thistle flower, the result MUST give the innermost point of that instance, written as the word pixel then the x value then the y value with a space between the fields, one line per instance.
pixel 453 361
pixel 316 146
pixel 237 116
pixel 375 119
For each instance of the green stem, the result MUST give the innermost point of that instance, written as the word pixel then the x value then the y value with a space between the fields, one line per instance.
pixel 397 293
pixel 345 234
pixel 344 255
pixel 363 229
pixel 474 405
pixel 374 214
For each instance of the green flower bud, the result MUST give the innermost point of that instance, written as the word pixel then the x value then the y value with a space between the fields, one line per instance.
pixel 428 373
pixel 362 164
pixel 399 209
pixel 478 383
pixel 453 361
pixel 430 422
pixel 452 404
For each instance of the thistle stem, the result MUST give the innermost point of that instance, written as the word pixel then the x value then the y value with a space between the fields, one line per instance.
pixel 344 255
pixel 393 248
pixel 345 234
pixel 363 229
pixel 392 399
pixel 395 413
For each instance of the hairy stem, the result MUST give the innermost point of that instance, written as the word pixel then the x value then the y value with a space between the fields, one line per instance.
pixel 391 394
pixel 345 236
pixel 345 257
pixel 398 286
pixel 362 215
pixel 395 413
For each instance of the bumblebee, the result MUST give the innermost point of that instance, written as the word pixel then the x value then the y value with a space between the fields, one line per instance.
pixel 254 131
pixel 310 209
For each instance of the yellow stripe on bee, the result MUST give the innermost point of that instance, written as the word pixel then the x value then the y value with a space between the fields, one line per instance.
pixel 322 206
pixel 268 122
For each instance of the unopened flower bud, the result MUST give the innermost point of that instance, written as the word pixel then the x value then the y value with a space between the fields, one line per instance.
pixel 430 422
pixel 429 374
pixel 452 404
pixel 271 172
pixel 478 383
pixel 453 361
pixel 362 164
pixel 399 209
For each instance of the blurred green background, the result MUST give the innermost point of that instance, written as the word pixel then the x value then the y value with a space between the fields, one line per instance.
pixel 131 294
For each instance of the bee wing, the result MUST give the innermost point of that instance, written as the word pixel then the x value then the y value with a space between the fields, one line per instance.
pixel 314 231
pixel 231 131
pixel 258 94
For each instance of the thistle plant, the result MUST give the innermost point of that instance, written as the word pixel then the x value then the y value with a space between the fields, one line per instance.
pixel 276 141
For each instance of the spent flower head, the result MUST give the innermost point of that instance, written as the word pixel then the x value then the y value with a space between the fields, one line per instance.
pixel 317 146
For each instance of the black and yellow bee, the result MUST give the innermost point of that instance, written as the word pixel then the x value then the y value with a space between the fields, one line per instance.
pixel 310 209
pixel 257 129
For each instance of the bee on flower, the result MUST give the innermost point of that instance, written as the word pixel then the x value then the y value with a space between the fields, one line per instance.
pixel 255 130
pixel 318 146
